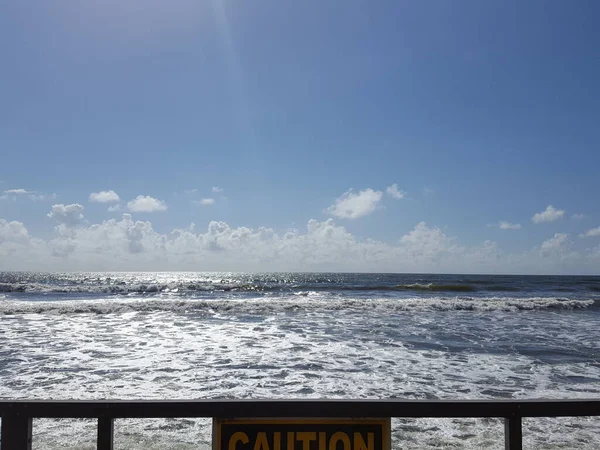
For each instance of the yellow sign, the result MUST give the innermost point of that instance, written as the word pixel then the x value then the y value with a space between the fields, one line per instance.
pixel 301 434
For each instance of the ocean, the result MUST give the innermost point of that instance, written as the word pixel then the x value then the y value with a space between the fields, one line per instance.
pixel 301 335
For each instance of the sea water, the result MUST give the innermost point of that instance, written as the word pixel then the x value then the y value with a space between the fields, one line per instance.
pixel 288 335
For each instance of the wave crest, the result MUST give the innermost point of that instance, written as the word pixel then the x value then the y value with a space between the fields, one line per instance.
pixel 274 305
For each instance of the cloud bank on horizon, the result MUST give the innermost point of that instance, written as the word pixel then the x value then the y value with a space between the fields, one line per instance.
pixel 128 244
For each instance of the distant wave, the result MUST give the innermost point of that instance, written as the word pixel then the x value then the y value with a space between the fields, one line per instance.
pixel 14 284
pixel 287 304
pixel 437 287
pixel 238 287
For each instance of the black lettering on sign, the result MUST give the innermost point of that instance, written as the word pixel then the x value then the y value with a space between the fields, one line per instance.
pixel 301 434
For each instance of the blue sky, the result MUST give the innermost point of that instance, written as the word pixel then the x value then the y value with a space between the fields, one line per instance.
pixel 478 111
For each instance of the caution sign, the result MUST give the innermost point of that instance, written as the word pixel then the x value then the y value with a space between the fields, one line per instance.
pixel 301 434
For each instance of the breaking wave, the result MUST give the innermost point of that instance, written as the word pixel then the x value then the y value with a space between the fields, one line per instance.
pixel 306 302
pixel 201 284
pixel 437 287
pixel 220 287
pixel 190 288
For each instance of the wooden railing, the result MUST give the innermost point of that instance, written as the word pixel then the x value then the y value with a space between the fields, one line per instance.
pixel 17 415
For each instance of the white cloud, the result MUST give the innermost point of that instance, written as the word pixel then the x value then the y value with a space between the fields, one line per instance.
pixel 114 208
pixel 128 245
pixel 205 202
pixel 557 241
pixel 394 192
pixel 549 215
pixel 578 216
pixel 354 205
pixel 18 251
pixel 426 243
pixel 145 203
pixel 217 189
pixel 18 192
pixel 555 245
pixel 12 232
pixel 504 225
pixel 67 215
pixel 594 232
pixel 125 244
pixel 40 197
pixel 104 197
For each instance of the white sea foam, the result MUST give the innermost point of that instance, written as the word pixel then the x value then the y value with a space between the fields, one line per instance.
pixel 307 301
pixel 306 346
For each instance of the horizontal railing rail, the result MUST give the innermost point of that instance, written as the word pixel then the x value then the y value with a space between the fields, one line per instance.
pixel 17 415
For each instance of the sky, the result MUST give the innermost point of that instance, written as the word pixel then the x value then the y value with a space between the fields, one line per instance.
pixel 397 136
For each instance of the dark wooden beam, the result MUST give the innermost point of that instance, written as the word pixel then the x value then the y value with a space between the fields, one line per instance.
pixel 513 433
pixel 16 432
pixel 105 433
pixel 300 408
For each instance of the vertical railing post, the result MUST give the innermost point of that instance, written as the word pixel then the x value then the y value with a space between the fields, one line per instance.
pixel 16 433
pixel 105 433
pixel 513 433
